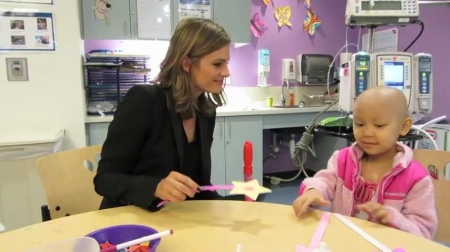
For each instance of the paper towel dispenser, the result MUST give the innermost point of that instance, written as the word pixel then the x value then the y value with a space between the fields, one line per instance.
pixel 312 69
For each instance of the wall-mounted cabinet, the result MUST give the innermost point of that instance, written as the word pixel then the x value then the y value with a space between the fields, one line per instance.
pixel 157 19
pixel 107 20
pixel 232 15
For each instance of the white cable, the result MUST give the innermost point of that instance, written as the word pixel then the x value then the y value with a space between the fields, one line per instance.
pixel 297 161
pixel 346 38
pixel 427 135
pixel 331 65
pixel 433 121
pixel 422 128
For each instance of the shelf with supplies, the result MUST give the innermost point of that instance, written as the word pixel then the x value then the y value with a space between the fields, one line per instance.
pixel 109 76
pixel 157 19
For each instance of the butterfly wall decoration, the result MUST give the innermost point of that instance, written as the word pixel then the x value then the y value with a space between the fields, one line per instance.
pixel 257 27
pixel 312 21
pixel 283 16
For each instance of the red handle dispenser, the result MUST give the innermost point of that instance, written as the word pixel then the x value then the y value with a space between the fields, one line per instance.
pixel 248 163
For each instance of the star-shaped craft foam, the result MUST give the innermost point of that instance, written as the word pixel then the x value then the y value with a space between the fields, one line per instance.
pixel 251 189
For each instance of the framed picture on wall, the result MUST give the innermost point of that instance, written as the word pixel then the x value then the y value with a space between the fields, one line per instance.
pixel 28 1
pixel 26 31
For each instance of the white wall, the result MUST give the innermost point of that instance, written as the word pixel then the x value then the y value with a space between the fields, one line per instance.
pixel 53 96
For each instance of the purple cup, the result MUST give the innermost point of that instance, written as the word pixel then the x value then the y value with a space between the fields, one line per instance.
pixel 123 233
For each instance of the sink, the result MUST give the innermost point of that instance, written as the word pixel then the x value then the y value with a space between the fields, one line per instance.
pixel 279 106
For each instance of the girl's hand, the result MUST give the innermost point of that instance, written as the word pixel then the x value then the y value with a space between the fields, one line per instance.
pixel 377 211
pixel 307 199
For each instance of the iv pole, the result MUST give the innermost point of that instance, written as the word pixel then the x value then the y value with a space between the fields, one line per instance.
pixel 370 34
pixel 370 39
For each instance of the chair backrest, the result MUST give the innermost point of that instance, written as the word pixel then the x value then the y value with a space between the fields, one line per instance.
pixel 67 178
pixel 438 165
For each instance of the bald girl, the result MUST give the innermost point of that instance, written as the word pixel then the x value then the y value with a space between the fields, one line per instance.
pixel 380 116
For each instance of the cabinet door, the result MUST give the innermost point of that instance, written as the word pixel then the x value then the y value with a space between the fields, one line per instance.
pixel 218 155
pixel 237 26
pixel 106 19
pixel 238 130
pixel 97 133
pixel 177 10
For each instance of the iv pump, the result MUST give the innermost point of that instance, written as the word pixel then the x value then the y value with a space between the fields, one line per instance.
pixel 412 74
pixel 263 67
pixel 422 91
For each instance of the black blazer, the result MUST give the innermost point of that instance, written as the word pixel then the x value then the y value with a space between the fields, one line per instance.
pixel 143 145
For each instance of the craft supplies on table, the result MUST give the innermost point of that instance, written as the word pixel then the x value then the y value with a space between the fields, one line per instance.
pixel 363 234
pixel 128 238
pixel 316 241
pixel 251 189
pixel 135 245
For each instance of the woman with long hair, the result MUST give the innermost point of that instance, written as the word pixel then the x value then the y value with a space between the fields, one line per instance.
pixel 158 145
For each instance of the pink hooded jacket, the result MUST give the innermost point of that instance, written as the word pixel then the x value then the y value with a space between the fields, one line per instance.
pixel 407 191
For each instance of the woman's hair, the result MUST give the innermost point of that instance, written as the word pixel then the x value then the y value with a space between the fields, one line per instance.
pixel 193 38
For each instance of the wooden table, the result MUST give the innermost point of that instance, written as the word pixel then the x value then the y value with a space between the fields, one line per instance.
pixel 204 226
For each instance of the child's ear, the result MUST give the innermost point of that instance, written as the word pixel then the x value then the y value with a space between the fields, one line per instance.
pixel 406 126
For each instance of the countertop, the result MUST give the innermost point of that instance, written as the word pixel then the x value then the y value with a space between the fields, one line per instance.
pixel 233 111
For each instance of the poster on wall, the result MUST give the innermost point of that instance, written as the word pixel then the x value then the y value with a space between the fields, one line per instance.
pixel 26 31
pixel 29 1
pixel 195 8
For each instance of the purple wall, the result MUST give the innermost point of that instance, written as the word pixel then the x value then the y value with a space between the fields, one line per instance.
pixel 288 42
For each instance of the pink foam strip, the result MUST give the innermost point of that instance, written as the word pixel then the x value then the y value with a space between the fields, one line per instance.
pixel 320 230
pixel 217 187
pixel 205 188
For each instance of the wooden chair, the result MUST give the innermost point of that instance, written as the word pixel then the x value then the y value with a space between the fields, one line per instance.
pixel 67 178
pixel 438 166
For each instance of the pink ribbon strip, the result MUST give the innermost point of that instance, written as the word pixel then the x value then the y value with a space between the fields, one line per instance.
pixel 320 230
pixel 216 187
pixel 318 234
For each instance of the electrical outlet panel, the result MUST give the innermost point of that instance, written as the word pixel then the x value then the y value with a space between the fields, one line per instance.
pixel 17 69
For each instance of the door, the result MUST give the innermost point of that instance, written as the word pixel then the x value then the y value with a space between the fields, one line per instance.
pixel 106 19
pixel 218 155
pixel 238 130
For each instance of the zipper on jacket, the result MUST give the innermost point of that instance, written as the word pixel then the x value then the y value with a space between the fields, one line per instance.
pixel 381 187
pixel 393 173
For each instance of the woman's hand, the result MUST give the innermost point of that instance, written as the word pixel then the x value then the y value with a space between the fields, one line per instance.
pixel 176 187
pixel 377 211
